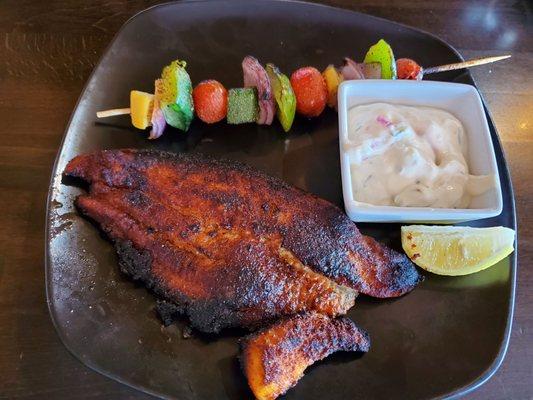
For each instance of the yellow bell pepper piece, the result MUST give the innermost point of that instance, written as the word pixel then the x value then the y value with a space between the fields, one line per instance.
pixel 141 105
pixel 333 80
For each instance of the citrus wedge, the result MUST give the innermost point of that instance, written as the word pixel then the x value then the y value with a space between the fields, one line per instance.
pixel 456 250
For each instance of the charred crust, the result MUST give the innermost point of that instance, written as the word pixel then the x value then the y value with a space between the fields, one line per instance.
pixel 134 263
pixel 404 276
pixel 205 315
pixel 168 312
pixel 137 199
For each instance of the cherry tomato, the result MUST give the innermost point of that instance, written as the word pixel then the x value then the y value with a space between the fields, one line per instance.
pixel 210 101
pixel 310 90
pixel 408 69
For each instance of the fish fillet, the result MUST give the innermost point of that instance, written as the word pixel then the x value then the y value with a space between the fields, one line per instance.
pixel 197 199
pixel 228 245
pixel 275 358
pixel 184 244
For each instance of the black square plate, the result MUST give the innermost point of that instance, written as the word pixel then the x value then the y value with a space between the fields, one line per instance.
pixel 443 339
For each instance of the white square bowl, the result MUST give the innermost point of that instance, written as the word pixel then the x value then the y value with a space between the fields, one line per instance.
pixel 464 103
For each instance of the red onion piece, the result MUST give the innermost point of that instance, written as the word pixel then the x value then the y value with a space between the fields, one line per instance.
pixel 256 76
pixel 351 70
pixel 158 119
pixel 158 124
pixel 383 121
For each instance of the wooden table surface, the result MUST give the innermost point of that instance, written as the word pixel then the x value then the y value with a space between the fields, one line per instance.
pixel 48 49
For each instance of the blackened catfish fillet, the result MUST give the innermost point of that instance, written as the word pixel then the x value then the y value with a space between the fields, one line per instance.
pixel 275 358
pixel 176 230
pixel 203 210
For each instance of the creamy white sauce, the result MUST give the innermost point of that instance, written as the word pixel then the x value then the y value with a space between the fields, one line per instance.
pixel 411 157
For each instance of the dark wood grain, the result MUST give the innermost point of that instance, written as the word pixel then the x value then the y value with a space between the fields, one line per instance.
pixel 48 49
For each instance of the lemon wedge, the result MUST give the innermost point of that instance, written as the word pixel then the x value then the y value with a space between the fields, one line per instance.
pixel 456 250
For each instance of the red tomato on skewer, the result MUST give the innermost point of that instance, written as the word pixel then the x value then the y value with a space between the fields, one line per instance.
pixel 210 101
pixel 310 90
pixel 408 69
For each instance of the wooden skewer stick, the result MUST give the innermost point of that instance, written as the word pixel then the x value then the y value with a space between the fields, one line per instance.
pixel 113 112
pixel 432 70
pixel 464 64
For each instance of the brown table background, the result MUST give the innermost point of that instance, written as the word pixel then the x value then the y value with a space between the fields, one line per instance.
pixel 47 51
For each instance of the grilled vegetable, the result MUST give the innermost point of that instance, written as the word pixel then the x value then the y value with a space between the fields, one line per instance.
pixel 333 79
pixel 350 70
pixel 242 105
pixel 371 70
pixel 256 76
pixel 408 69
pixel 176 99
pixel 141 105
pixel 382 53
pixel 284 96
pixel 158 119
pixel 310 90
pixel 210 101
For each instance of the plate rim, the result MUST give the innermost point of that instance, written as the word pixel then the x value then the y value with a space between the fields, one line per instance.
pixel 505 173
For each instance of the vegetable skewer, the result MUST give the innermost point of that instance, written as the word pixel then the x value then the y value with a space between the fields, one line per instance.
pixel 177 105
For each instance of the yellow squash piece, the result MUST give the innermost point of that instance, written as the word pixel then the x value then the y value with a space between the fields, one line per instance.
pixel 141 105
pixel 456 250
pixel 333 80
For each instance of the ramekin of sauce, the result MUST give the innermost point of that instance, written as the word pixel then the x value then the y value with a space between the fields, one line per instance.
pixel 406 150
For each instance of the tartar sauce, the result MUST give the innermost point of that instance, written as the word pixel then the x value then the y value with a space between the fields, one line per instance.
pixel 411 157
